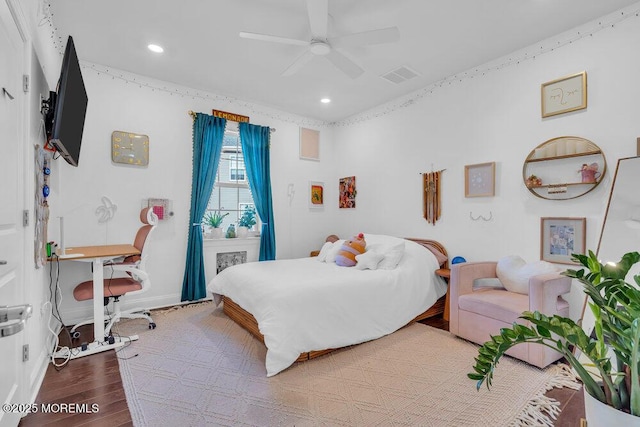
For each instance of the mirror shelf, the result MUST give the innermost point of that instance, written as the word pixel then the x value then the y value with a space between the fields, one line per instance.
pixel 564 168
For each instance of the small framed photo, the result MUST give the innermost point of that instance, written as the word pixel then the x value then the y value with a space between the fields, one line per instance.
pixel 316 194
pixel 480 180
pixel 562 237
pixel 564 95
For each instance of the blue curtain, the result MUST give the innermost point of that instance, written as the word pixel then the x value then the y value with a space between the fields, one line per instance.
pixel 208 132
pixel 255 148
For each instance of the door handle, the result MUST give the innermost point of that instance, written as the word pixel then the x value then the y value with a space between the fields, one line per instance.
pixel 13 318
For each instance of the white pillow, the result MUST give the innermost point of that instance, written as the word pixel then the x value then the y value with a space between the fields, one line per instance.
pixel 322 256
pixel 514 272
pixel 333 251
pixel 392 256
pixel 368 260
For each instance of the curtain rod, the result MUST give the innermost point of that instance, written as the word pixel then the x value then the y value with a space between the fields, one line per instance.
pixel 193 116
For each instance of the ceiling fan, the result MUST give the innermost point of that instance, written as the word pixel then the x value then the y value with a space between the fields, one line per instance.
pixel 321 45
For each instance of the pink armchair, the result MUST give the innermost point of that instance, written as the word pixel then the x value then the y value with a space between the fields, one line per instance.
pixel 476 313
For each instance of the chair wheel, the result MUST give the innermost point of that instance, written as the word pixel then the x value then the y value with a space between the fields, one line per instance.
pixel 152 325
pixel 75 335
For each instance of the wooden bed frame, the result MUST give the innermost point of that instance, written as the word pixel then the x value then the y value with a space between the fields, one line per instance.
pixel 248 322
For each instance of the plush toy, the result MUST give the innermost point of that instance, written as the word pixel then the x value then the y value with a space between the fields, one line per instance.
pixel 347 255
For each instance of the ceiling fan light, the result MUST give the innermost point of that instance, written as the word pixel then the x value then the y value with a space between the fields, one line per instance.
pixel 320 48
pixel 155 48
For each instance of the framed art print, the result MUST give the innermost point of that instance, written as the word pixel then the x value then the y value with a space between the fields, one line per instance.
pixel 347 189
pixel 309 144
pixel 564 95
pixel 316 194
pixel 479 180
pixel 562 237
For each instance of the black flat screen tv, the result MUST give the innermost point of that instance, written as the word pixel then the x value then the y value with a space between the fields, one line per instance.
pixel 65 123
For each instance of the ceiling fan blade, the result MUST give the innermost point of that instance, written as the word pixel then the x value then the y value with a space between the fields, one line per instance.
pixel 383 35
pixel 269 38
pixel 318 11
pixel 298 64
pixel 344 64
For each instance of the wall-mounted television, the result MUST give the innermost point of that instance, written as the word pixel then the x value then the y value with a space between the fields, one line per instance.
pixel 67 108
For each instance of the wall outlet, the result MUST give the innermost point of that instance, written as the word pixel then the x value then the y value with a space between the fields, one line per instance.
pixel 25 352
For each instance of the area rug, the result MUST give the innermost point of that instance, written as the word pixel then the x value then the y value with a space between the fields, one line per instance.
pixel 198 368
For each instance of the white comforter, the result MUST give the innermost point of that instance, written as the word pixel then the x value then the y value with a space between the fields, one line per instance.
pixel 303 305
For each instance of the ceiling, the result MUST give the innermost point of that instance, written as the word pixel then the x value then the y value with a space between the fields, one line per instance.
pixel 203 50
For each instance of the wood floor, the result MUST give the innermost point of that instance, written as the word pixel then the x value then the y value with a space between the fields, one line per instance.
pixel 96 379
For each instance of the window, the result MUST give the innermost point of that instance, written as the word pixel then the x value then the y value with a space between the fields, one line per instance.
pixel 231 193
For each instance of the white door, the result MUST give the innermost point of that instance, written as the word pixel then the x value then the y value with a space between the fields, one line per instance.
pixel 12 98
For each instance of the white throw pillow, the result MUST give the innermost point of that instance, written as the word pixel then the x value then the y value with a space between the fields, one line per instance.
pixel 514 272
pixel 392 256
pixel 368 260
pixel 333 251
pixel 322 256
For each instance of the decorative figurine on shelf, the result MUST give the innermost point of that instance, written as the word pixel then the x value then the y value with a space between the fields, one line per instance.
pixel 231 231
pixel 589 173
pixel 533 181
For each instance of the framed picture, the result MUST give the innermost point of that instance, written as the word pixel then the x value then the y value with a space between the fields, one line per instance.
pixel 309 144
pixel 316 194
pixel 561 237
pixel 480 180
pixel 564 95
pixel 347 190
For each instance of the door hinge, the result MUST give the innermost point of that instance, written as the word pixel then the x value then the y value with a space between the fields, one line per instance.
pixel 25 353
pixel 25 83
pixel 25 218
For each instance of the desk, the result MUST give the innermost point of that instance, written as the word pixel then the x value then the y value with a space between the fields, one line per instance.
pixel 97 255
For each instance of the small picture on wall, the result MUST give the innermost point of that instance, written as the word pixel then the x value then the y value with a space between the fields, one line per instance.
pixel 347 192
pixel 562 237
pixel 480 180
pixel 316 194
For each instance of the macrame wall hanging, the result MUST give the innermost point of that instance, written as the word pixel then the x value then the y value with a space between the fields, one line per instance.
pixel 431 186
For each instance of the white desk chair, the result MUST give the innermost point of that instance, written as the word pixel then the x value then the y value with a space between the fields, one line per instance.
pixel 136 281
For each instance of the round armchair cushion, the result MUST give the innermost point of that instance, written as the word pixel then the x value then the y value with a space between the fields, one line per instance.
pixel 514 272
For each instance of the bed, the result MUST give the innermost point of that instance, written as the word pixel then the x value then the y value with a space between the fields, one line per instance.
pixel 304 308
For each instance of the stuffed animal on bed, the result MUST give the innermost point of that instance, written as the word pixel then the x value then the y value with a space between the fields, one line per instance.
pixel 347 255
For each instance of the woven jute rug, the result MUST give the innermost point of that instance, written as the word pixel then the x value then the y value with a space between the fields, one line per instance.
pixel 198 368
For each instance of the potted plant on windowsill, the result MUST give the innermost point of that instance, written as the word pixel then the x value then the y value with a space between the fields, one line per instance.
pixel 612 388
pixel 246 221
pixel 213 220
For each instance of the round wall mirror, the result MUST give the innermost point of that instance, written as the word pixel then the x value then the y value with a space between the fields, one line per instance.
pixel 564 168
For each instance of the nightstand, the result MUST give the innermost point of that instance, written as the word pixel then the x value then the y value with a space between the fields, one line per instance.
pixel 445 273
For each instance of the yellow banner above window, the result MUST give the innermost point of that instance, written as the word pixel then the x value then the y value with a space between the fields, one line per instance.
pixel 230 116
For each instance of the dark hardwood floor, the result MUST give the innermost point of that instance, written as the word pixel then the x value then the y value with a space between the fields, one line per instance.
pixel 87 380
pixel 96 379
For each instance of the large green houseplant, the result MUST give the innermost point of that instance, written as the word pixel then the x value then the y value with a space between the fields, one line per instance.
pixel 616 308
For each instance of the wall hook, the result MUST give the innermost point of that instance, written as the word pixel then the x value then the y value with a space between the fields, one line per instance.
pixel 479 217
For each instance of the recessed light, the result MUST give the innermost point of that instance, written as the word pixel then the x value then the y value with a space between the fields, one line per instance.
pixel 155 48
pixel 325 100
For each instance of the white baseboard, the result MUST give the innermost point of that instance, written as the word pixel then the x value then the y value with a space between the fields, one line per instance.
pixel 37 375
pixel 74 316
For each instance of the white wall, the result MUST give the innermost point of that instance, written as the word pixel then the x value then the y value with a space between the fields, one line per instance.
pixel 493 117
pixel 159 110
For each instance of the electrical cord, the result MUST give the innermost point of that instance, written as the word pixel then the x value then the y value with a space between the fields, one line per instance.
pixel 54 311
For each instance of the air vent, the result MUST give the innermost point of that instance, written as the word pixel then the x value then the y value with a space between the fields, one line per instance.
pixel 400 75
